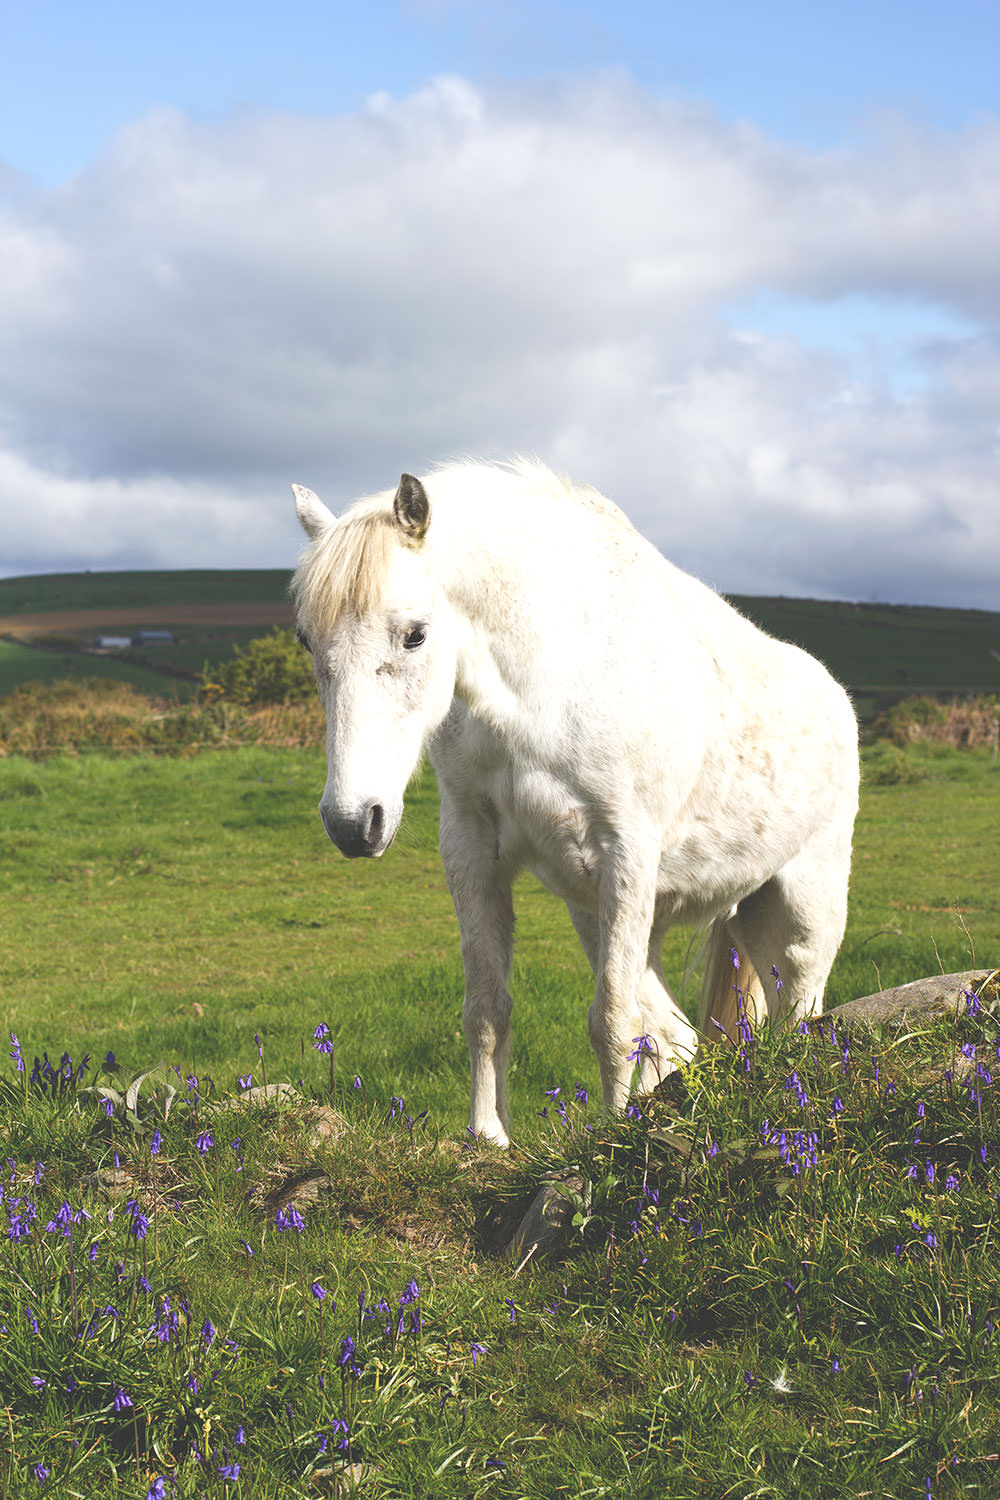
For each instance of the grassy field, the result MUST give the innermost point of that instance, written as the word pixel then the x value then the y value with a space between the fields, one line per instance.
pixel 723 1326
pixel 198 901
pixel 882 652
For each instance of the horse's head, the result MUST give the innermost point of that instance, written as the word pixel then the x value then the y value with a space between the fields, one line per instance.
pixel 383 650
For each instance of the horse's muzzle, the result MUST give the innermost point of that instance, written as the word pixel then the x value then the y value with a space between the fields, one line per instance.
pixel 365 836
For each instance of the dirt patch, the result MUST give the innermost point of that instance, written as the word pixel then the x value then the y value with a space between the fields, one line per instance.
pixel 57 622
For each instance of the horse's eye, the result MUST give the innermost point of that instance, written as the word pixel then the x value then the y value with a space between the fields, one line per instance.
pixel 302 640
pixel 415 637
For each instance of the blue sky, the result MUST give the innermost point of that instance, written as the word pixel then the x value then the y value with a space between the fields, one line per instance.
pixel 740 253
pixel 75 71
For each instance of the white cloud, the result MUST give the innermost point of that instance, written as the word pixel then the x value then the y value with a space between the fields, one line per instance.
pixel 209 312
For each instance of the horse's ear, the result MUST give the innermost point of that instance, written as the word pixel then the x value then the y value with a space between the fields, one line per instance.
pixel 311 511
pixel 411 508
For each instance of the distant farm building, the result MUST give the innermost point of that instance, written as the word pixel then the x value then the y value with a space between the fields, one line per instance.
pixel 153 638
pixel 112 642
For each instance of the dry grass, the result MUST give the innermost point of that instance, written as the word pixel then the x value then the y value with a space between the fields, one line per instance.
pixel 67 718
pixel 963 724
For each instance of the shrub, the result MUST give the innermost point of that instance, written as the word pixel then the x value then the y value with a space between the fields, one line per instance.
pixel 272 669
pixel 968 724
pixel 886 764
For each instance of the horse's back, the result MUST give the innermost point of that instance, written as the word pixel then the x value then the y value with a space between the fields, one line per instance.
pixel 644 700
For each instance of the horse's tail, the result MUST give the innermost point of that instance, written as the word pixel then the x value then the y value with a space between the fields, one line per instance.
pixel 729 975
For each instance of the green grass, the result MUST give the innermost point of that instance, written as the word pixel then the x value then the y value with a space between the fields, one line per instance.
pixel 177 909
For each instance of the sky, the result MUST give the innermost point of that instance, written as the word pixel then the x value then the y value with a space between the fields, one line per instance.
pixel 733 262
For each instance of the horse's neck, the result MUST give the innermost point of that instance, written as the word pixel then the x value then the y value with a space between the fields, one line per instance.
pixel 502 615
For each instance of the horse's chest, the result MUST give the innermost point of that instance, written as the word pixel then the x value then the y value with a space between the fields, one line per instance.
pixel 543 827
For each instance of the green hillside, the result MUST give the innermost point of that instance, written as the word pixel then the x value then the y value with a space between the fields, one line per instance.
pixel 884 652
pixel 45 592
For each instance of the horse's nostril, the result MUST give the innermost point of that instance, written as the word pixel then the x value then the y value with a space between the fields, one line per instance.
pixel 376 823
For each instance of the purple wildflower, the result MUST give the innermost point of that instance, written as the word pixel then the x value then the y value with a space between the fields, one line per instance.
pixel 289 1218
pixel 321 1037
pixel 644 1046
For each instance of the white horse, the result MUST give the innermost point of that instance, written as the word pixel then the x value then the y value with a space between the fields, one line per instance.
pixel 598 716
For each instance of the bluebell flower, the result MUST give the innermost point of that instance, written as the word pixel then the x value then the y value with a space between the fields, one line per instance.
pixel 321 1036
pixel 289 1218
pixel 139 1227
pixel 123 1400
pixel 644 1046
pixel 342 1433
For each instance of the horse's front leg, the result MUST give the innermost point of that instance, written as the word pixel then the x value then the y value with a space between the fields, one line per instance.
pixel 625 918
pixel 481 892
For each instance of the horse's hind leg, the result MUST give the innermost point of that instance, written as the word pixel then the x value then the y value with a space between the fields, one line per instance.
pixel 670 1040
pixel 481 894
pixel 795 924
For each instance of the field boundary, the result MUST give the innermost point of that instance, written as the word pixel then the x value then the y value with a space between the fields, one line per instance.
pixel 56 621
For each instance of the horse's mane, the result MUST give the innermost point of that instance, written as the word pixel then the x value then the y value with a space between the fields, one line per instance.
pixel 345 568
